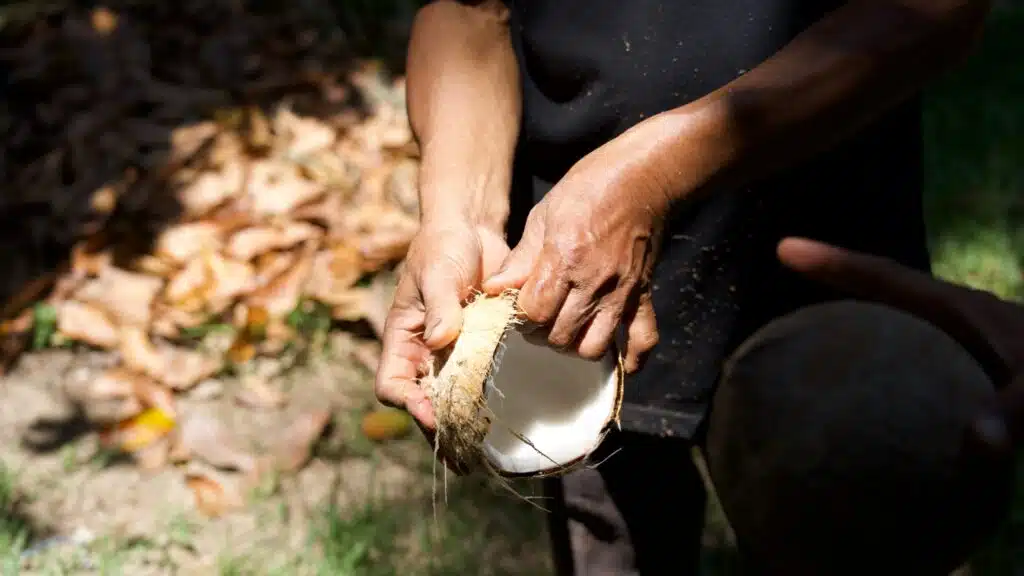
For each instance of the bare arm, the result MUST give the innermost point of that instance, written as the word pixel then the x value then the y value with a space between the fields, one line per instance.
pixel 829 81
pixel 464 107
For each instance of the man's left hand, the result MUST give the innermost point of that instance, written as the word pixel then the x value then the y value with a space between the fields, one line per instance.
pixel 585 260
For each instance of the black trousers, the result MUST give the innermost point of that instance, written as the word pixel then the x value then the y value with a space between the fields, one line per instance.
pixel 640 511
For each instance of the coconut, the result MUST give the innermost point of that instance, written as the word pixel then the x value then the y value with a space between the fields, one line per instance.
pixel 837 445
pixel 512 408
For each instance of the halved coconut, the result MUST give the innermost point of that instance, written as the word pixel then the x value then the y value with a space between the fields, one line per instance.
pixel 514 408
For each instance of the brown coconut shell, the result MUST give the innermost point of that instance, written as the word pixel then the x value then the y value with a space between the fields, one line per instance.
pixel 837 444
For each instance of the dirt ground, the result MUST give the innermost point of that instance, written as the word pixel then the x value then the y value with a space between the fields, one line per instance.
pixel 94 511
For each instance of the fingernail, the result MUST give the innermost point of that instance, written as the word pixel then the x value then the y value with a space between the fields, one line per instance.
pixel 992 430
pixel 428 332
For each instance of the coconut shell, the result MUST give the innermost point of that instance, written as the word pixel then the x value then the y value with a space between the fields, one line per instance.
pixel 836 444
pixel 458 389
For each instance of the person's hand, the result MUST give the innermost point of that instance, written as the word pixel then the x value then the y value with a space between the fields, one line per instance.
pixel 584 263
pixel 990 328
pixel 445 263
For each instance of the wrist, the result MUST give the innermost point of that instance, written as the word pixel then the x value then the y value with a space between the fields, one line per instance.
pixel 452 190
pixel 475 201
pixel 689 149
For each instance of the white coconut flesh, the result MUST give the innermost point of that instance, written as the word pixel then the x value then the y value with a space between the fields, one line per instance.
pixel 549 410
pixel 516 408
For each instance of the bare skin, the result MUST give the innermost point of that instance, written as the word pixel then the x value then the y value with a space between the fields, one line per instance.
pixel 579 279
pixel 464 107
pixel 991 328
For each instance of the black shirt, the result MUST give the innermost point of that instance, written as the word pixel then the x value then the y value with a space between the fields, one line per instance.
pixel 592 68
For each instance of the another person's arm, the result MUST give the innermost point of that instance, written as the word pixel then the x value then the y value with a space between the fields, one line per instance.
pixel 990 328
pixel 464 106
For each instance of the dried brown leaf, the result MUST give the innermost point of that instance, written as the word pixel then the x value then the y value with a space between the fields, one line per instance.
pixel 182 242
pixel 230 279
pixel 85 323
pixel 126 296
pixel 176 367
pixel 295 448
pixel 131 435
pixel 335 270
pixel 272 264
pixel 303 135
pixel 211 189
pixel 282 295
pixel 88 262
pixel 386 424
pixel 259 134
pixel 402 187
pixel 186 288
pixel 381 295
pixel 258 394
pixel 187 140
pixel 277 187
pixel 106 399
pixel 202 436
pixel 152 456
pixel 215 494
pixel 254 241
pixel 350 305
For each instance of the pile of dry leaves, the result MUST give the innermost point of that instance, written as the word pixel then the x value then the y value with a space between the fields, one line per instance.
pixel 198 165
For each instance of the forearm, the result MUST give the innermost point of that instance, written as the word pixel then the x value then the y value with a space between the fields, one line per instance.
pixel 827 83
pixel 464 108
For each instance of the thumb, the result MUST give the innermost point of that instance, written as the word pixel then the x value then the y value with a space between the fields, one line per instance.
pixel 443 307
pixel 516 269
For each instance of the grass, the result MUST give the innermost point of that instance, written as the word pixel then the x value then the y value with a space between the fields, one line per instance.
pixel 974 132
pixel 14 529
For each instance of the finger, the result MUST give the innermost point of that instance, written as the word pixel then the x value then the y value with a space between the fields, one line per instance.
pixel 575 313
pixel 442 289
pixel 641 333
pixel 599 334
pixel 867 276
pixel 493 252
pixel 396 382
pixel 546 290
pixel 517 266
pixel 888 282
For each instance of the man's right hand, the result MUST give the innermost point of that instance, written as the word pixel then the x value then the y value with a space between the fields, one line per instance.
pixel 445 263
pixel 990 328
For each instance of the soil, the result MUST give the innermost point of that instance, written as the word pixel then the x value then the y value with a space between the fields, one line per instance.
pixel 76 491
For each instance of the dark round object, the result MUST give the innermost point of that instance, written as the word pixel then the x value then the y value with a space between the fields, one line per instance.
pixel 837 444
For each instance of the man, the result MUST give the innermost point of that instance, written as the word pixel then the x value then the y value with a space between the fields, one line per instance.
pixel 644 158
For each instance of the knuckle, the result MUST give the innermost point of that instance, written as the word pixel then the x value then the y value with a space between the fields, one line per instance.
pixel 559 339
pixel 385 395
pixel 646 341
pixel 575 247
pixel 539 316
